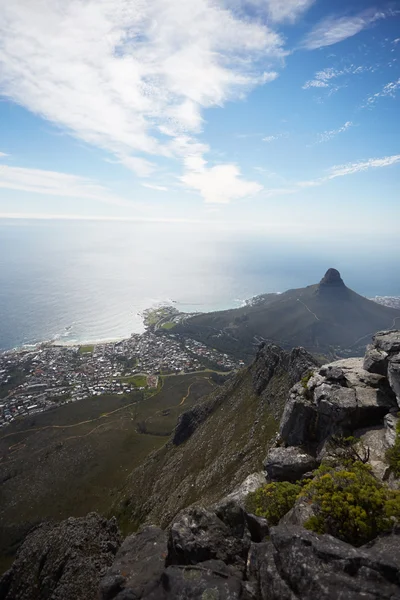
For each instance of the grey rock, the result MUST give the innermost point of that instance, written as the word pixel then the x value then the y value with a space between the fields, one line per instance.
pixel 288 464
pixel 388 341
pixel 375 361
pixel 299 514
pixel 258 527
pixel 340 397
pixel 299 565
pixel 250 484
pixel 394 375
pixel 138 565
pixel 374 439
pixel 270 358
pixel 63 561
pixel 199 535
pixel 298 419
pixel 197 582
pixel 390 422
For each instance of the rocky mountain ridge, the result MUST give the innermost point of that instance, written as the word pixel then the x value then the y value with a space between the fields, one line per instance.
pixel 225 552
pixel 327 318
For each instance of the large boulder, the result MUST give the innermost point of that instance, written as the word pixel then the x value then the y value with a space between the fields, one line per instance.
pixel 288 464
pixel 394 375
pixel 63 561
pixel 198 535
pixel 299 565
pixel 339 397
pixel 138 565
pixel 383 356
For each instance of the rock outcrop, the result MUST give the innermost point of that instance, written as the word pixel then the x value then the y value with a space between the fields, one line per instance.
pixel 288 464
pixel 299 565
pixel 353 396
pixel 64 561
pixel 200 557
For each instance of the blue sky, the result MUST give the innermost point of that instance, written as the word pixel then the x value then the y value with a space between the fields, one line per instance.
pixel 279 115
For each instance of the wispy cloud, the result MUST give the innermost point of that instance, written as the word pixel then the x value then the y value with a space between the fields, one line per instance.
pixel 324 78
pixel 352 168
pixel 336 29
pixel 328 135
pixel 54 183
pixel 134 77
pixel 3 154
pixel 390 89
pixel 273 138
pixel 280 11
pixel 153 186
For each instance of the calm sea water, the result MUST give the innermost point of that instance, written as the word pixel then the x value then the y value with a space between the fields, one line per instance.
pixel 87 281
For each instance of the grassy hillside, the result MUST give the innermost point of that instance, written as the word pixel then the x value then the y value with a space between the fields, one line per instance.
pixel 326 318
pixel 72 460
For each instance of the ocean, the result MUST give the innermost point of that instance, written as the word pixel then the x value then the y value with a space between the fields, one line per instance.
pixel 83 281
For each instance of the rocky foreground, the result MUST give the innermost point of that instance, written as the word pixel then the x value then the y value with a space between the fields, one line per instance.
pixel 225 552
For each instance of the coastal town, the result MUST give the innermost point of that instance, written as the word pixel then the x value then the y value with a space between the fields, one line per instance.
pixel 35 379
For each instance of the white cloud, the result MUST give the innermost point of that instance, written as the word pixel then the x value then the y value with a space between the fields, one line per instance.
pixel 56 184
pixel 323 79
pixel 336 29
pixel 3 155
pixel 282 10
pixel 328 135
pixel 273 138
pixel 352 168
pixel 153 186
pixel 129 76
pixel 140 166
pixel 389 89
pixel 220 184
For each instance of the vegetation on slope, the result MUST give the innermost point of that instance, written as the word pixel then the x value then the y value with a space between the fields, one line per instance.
pixel 273 500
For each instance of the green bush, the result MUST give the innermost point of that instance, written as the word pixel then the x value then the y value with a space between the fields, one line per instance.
pixel 273 500
pixel 393 454
pixel 350 503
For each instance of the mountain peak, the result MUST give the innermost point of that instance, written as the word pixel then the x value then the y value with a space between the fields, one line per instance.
pixel 332 278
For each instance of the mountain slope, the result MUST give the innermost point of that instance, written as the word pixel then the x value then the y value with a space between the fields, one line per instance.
pixel 216 444
pixel 326 318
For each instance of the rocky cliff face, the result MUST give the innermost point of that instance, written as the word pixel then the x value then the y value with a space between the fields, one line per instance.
pixel 224 552
pixel 353 396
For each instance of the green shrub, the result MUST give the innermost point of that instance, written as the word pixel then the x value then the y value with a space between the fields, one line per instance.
pixel 393 454
pixel 306 378
pixel 350 503
pixel 273 500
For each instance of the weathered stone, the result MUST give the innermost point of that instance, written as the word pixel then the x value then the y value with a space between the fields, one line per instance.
pixel 299 565
pixel 299 514
pixel 288 464
pixel 390 422
pixel 250 484
pixel 63 561
pixel 138 565
pixel 198 582
pixel 388 341
pixel 374 440
pixel 394 375
pixel 199 535
pixel 339 398
pixel 375 361
pixel 298 419
pixel 258 527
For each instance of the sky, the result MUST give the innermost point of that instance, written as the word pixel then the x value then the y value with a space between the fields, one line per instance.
pixel 275 115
